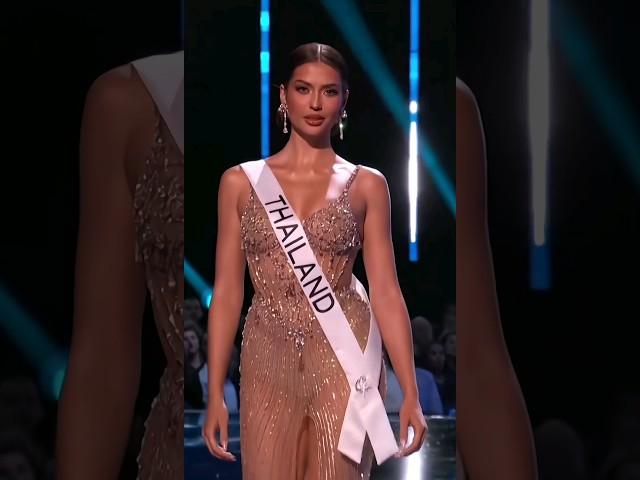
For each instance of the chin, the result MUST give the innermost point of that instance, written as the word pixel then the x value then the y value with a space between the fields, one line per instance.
pixel 314 133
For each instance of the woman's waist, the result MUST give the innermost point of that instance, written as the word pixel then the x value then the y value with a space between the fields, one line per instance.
pixel 280 315
pixel 276 295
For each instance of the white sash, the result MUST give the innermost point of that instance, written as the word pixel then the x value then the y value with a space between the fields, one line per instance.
pixel 365 413
pixel 163 76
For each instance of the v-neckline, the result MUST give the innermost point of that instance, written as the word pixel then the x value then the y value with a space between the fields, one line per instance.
pixel 328 203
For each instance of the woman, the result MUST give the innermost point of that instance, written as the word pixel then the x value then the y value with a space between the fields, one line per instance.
pixel 130 239
pixel 195 355
pixel 293 392
pixel 445 379
pixel 448 341
pixel 494 434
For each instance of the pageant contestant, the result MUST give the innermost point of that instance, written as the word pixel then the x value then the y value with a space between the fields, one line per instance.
pixel 312 382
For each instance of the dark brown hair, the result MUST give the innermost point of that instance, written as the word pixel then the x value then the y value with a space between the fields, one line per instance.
pixel 197 329
pixel 316 52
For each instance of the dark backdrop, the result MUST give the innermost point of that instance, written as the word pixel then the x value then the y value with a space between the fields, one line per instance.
pixel 223 121
pixel 51 53
pixel 572 346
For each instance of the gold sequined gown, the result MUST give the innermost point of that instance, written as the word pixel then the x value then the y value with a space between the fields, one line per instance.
pixel 159 219
pixel 289 372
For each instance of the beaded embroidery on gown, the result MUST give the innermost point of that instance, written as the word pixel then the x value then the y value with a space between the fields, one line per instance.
pixel 159 219
pixel 288 369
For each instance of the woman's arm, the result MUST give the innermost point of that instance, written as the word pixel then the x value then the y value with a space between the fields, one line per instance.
pixel 493 427
pixel 228 288
pixel 224 313
pixel 387 301
pixel 101 383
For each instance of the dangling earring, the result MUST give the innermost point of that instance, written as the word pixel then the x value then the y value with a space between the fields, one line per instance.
pixel 283 110
pixel 341 125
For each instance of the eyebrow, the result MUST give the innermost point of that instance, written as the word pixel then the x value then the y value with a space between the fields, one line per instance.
pixel 323 86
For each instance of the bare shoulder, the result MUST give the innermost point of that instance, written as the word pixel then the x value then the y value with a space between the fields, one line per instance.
pixel 118 122
pixel 372 189
pixel 119 91
pixel 373 180
pixel 469 129
pixel 466 103
pixel 234 188
pixel 234 178
pixel 462 89
pixel 470 162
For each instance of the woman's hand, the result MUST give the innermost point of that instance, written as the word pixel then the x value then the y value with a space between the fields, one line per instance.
pixel 217 420
pixel 411 414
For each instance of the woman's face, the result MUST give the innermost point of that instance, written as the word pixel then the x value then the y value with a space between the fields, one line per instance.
pixel 192 343
pixel 450 345
pixel 314 99
pixel 192 310
pixel 436 357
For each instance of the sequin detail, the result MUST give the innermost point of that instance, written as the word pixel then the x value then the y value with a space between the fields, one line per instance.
pixel 159 219
pixel 289 373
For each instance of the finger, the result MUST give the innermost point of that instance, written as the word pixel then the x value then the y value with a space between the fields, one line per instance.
pixel 214 448
pixel 222 454
pixel 224 433
pixel 206 437
pixel 217 451
pixel 404 424
pixel 418 437
pixel 224 441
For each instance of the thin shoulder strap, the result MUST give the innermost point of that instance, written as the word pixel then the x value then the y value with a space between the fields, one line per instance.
pixel 351 179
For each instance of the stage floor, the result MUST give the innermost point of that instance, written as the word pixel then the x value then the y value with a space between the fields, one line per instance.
pixel 435 461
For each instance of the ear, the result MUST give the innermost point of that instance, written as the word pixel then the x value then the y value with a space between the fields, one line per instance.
pixel 283 96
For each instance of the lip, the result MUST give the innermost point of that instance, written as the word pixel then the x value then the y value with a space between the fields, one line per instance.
pixel 314 120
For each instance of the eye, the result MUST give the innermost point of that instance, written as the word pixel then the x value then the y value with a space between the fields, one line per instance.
pixel 302 89
pixel 331 92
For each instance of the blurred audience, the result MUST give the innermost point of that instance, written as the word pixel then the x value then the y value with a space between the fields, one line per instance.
pixel 25 447
pixel 448 341
pixel 194 363
pixel 197 374
pixel 445 378
pixel 20 404
pixel 422 332
pixel 427 391
pixel 622 448
pixel 195 346
pixel 622 463
pixel 449 318
pixel 560 451
pixel 193 312
pixel 19 458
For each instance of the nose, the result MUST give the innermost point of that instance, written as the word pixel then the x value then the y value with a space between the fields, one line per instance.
pixel 316 103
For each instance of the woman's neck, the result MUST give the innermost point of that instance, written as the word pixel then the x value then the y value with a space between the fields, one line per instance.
pixel 197 361
pixel 300 153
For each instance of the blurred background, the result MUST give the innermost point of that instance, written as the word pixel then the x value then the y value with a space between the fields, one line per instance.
pixel 51 54
pixel 223 128
pixel 567 287
pixel 568 305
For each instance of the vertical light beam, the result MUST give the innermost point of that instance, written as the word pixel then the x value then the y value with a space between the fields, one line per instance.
pixel 539 73
pixel 349 22
pixel 414 77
